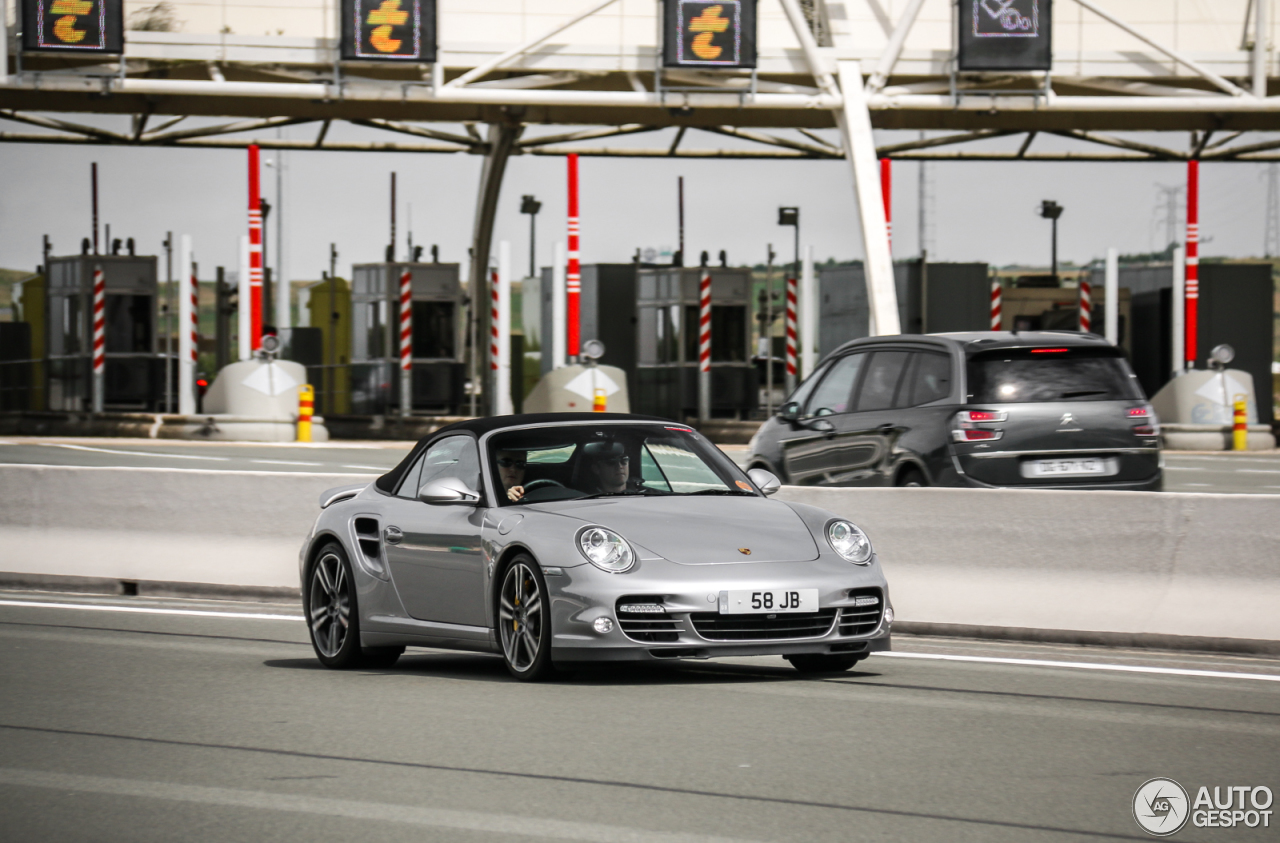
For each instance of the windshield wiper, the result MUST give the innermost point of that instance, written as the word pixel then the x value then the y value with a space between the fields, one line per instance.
pixel 627 493
pixel 721 492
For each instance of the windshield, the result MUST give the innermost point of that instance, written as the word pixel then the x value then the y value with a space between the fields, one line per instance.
pixel 1016 376
pixel 571 462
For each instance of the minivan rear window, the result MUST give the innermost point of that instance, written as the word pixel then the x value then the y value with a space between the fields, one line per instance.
pixel 1024 375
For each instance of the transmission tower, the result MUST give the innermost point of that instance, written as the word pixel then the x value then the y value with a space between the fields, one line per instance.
pixel 1271 235
pixel 1169 211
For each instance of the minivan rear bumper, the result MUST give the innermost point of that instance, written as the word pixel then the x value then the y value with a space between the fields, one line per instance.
pixel 1151 484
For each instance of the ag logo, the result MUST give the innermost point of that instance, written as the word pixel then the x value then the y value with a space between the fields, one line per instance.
pixel 1161 807
pixel 1067 418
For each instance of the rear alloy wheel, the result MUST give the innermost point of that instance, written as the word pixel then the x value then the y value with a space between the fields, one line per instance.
pixel 911 477
pixel 823 663
pixel 524 624
pixel 333 619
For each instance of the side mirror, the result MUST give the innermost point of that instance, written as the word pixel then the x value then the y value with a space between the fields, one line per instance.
pixel 790 411
pixel 766 481
pixel 450 490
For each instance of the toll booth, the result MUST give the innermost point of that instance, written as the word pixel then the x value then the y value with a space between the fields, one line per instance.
pixel 327 305
pixel 666 331
pixel 134 373
pixel 439 332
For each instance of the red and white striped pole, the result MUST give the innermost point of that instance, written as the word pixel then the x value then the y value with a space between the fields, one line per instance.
pixel 500 334
pixel 1086 306
pixel 704 346
pixel 886 193
pixel 255 252
pixel 187 326
pixel 997 296
pixel 792 291
pixel 406 342
pixel 1191 312
pixel 573 280
pixel 99 338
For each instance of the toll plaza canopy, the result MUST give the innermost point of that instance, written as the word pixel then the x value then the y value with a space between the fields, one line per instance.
pixel 1078 68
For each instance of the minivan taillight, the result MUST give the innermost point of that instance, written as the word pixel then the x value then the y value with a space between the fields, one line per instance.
pixel 967 421
pixel 1148 424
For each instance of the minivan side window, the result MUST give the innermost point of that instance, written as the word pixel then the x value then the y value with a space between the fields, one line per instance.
pixel 929 380
pixel 880 386
pixel 835 392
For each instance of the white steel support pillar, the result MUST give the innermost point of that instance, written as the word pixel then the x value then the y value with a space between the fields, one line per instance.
pixel 186 327
pixel 854 120
pixel 1111 294
pixel 1179 308
pixel 501 350
pixel 244 314
pixel 4 40
pixel 559 338
pixel 808 316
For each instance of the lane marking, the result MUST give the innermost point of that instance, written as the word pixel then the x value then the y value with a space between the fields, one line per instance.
pixel 247 472
pixel 1257 471
pixel 284 462
pixel 481 821
pixel 374 467
pixel 1185 468
pixel 150 610
pixel 130 453
pixel 1123 668
pixel 1197 484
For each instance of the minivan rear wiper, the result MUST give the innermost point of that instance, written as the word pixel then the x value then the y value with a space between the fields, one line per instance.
pixel 1084 392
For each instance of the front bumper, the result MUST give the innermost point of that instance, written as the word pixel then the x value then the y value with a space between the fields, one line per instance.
pixel 582 594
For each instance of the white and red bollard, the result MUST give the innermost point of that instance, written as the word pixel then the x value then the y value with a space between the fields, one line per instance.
pixel 1191 313
pixel 500 333
pixel 1086 306
pixel 99 339
pixel 255 253
pixel 406 342
pixel 886 193
pixel 704 346
pixel 792 301
pixel 997 304
pixel 188 332
pixel 573 280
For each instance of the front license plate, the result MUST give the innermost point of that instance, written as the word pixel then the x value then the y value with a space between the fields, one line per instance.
pixel 1069 468
pixel 768 601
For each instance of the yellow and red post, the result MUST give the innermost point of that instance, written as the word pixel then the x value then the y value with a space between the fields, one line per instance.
pixel 1239 427
pixel 306 406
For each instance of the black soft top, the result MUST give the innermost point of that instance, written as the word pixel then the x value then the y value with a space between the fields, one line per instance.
pixel 480 426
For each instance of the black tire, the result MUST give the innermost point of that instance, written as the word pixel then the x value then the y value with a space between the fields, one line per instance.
pixel 823 663
pixel 524 620
pixel 333 615
pixel 911 477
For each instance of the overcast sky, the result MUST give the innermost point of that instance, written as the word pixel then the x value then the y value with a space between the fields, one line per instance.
pixel 980 211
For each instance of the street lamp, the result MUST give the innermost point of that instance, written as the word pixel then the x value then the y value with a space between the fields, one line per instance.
pixel 531 206
pixel 1051 210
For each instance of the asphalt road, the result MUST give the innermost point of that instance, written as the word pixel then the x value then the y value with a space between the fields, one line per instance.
pixel 1248 473
pixel 139 725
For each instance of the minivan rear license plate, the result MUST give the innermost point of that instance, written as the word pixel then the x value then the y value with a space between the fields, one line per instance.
pixel 768 600
pixel 1070 468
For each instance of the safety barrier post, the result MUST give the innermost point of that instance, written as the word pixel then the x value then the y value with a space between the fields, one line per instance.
pixel 997 295
pixel 1086 306
pixel 99 338
pixel 704 346
pixel 792 284
pixel 187 315
pixel 1239 427
pixel 406 343
pixel 600 403
pixel 306 403
pixel 1191 308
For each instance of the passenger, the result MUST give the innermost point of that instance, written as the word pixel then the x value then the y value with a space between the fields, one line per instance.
pixel 511 470
pixel 609 467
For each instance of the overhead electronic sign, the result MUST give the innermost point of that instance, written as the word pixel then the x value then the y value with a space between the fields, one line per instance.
pixel 389 30
pixel 73 26
pixel 705 34
pixel 1005 35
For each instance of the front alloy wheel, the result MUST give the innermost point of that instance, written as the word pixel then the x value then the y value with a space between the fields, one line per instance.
pixel 523 621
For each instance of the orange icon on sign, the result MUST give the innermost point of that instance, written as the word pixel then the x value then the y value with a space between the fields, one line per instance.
pixel 64 28
pixel 706 25
pixel 384 18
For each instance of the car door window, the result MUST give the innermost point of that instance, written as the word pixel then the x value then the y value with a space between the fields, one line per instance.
pixel 879 389
pixel 451 457
pixel 930 378
pixel 835 390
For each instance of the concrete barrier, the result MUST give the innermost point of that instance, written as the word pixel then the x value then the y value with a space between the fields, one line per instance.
pixel 1130 563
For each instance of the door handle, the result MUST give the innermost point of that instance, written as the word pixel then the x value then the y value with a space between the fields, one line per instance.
pixel 392 535
pixel 886 427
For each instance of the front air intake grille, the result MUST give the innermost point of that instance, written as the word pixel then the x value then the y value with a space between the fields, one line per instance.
pixel 862 618
pixel 644 618
pixel 717 627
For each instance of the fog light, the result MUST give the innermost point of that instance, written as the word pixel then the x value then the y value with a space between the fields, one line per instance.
pixel 603 625
pixel 888 615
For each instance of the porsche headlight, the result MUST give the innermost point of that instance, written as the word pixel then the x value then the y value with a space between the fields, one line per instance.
pixel 605 549
pixel 850 542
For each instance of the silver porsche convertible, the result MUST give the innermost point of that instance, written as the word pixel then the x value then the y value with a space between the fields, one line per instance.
pixel 563 539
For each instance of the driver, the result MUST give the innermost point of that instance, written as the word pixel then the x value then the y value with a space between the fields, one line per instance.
pixel 609 467
pixel 511 471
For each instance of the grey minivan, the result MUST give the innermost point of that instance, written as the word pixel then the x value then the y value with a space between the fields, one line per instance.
pixel 998 409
